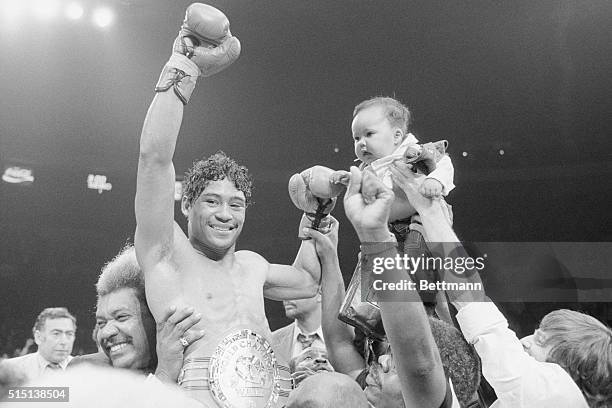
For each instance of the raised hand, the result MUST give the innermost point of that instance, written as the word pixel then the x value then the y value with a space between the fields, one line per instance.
pixel 367 204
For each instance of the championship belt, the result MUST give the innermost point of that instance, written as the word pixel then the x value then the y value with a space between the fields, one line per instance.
pixel 243 373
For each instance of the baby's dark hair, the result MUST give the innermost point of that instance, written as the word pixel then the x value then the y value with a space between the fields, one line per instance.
pixel 216 167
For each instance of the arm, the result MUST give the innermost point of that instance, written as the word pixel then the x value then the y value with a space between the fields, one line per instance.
pixel 517 378
pixel 415 353
pixel 313 192
pixel 175 331
pixel 338 335
pixel 440 235
pixel 190 58
pixel 300 280
pixel 445 174
pixel 155 180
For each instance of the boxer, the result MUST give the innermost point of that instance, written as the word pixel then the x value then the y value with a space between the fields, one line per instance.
pixel 233 364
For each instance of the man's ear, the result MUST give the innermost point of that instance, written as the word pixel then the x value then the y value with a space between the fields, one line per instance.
pixel 185 206
pixel 37 337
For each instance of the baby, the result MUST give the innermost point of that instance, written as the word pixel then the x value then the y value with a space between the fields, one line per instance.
pixel 380 134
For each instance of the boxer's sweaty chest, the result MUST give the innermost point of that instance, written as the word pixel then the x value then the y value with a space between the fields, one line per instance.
pixel 227 299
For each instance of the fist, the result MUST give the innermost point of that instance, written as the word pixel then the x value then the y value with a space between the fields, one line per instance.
pixel 431 188
pixel 320 180
pixel 340 177
pixel 205 25
pixel 205 39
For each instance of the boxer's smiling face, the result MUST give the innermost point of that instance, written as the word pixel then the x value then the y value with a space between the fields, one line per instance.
pixel 123 329
pixel 373 134
pixel 217 216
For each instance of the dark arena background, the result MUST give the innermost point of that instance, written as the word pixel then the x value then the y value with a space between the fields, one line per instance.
pixel 522 90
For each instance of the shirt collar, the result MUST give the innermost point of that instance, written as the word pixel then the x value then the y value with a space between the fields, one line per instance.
pixel 43 362
pixel 297 331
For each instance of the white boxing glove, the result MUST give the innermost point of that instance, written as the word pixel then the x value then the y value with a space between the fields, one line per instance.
pixel 313 192
pixel 203 47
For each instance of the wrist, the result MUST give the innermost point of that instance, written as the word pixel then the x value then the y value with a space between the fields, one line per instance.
pixel 180 74
pixel 381 234
pixel 431 211
pixel 377 247
pixel 329 258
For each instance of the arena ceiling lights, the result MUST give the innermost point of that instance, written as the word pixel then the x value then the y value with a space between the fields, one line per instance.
pixel 16 12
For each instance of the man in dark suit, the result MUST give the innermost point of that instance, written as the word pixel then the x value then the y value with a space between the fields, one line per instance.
pixel 304 332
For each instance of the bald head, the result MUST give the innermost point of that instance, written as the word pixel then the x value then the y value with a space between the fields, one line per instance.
pixel 328 390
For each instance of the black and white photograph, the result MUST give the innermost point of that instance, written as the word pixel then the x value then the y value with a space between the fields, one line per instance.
pixel 306 204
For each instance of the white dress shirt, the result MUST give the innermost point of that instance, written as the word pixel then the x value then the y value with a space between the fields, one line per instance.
pixel 519 380
pixel 33 365
pixel 319 342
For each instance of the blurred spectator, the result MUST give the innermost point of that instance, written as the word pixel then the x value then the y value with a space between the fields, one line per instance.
pixel 54 333
pixel 305 330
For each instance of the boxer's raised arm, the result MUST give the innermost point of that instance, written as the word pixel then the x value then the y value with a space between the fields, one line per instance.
pixel 203 47
pixel 155 181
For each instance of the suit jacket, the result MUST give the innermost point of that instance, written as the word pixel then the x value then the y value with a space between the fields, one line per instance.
pixel 282 343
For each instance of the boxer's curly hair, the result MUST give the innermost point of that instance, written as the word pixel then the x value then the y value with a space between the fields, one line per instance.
pixel 216 167
pixel 396 112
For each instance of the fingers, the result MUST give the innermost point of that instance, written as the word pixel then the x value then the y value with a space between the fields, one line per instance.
pixel 226 53
pixel 372 188
pixel 354 183
pixel 314 234
pixel 167 313
pixel 213 60
pixel 403 177
pixel 333 223
pixel 340 177
pixel 188 322
pixel 191 336
pixel 430 192
pixel 425 191
pixel 180 314
pixel 177 322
